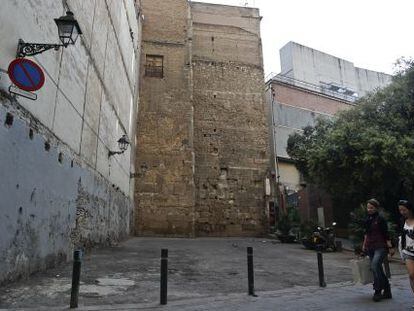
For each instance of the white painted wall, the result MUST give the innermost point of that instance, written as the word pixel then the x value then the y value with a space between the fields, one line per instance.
pixel 90 95
pixel 89 100
pixel 312 66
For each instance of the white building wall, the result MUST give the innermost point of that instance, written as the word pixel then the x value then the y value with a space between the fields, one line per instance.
pixel 312 66
pixel 89 100
pixel 369 80
pixel 290 120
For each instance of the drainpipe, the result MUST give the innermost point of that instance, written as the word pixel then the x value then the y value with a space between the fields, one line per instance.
pixel 275 159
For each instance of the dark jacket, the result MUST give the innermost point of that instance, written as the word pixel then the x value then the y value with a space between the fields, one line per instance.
pixel 376 229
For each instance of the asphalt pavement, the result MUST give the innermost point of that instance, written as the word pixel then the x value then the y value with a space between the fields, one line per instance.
pixel 205 274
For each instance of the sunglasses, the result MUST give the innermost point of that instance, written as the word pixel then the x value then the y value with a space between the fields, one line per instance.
pixel 403 202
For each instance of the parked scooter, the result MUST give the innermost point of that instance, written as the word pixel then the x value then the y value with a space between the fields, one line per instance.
pixel 321 239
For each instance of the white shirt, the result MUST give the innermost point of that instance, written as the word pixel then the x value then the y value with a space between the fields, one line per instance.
pixel 409 242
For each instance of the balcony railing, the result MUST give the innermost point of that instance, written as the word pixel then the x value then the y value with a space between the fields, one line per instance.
pixel 313 87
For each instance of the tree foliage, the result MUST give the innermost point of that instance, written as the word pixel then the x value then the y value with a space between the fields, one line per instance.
pixel 366 151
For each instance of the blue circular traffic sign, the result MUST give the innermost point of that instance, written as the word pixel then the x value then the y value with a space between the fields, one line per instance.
pixel 26 74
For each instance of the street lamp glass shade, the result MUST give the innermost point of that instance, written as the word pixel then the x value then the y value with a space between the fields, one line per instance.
pixel 123 143
pixel 68 29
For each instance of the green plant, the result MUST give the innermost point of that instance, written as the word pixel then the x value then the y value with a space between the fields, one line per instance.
pixel 288 221
pixel 307 228
pixel 356 227
pixel 367 150
pixel 283 225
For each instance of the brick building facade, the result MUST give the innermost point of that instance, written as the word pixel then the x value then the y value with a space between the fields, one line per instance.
pixel 312 85
pixel 295 107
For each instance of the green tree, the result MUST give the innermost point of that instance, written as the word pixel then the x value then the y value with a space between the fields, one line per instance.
pixel 366 151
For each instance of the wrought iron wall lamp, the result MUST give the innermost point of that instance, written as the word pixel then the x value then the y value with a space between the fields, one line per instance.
pixel 68 29
pixel 123 143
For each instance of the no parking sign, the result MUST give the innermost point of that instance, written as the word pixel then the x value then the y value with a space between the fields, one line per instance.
pixel 26 74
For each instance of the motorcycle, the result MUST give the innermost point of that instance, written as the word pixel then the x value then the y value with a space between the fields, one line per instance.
pixel 321 239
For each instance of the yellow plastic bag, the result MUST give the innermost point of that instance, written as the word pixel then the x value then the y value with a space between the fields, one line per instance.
pixel 361 271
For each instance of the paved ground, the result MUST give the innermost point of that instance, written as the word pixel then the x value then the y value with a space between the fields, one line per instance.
pixel 205 274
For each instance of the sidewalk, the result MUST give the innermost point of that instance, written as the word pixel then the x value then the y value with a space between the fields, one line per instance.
pixel 338 297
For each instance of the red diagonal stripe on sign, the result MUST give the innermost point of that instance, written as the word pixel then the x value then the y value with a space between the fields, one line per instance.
pixel 28 75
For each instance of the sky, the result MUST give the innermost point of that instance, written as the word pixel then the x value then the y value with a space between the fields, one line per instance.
pixel 372 34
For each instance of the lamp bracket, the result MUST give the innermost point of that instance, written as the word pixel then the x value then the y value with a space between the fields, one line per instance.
pixel 29 49
pixel 111 153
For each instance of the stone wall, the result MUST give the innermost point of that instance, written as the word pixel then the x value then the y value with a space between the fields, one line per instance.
pixel 202 140
pixel 165 156
pixel 60 189
pixel 231 137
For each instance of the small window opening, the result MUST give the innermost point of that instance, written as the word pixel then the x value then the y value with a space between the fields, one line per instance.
pixel 9 120
pixel 47 146
pixel 154 66
pixel 60 157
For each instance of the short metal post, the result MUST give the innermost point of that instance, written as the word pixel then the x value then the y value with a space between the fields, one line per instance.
pixel 77 255
pixel 164 276
pixel 250 273
pixel 320 269
pixel 387 267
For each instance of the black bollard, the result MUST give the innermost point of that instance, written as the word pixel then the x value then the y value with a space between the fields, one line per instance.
pixel 77 255
pixel 320 269
pixel 164 276
pixel 250 273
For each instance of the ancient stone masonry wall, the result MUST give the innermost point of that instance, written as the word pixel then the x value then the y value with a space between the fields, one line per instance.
pixel 231 148
pixel 231 136
pixel 165 159
pixel 59 188
pixel 202 140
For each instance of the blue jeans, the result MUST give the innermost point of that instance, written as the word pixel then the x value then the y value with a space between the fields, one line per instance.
pixel 377 257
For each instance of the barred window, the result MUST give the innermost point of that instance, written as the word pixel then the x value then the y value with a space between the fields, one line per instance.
pixel 154 66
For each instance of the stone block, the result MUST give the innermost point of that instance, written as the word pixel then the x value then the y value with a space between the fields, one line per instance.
pixel 67 123
pixel 102 161
pixel 73 76
pixel 89 145
pixel 100 36
pixel 93 99
pixel 84 12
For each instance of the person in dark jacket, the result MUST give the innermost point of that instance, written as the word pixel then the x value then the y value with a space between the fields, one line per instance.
pixel 377 245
